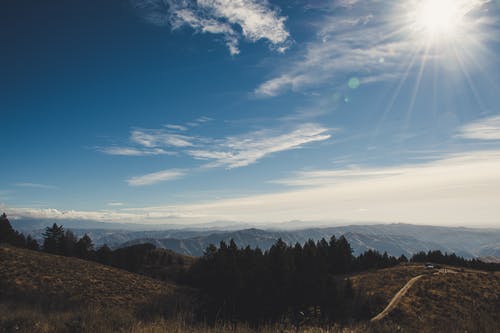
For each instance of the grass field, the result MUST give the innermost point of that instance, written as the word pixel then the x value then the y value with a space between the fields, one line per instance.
pixel 44 293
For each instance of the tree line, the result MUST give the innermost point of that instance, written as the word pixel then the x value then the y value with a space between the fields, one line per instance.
pixel 143 259
pixel 285 282
pixel 437 257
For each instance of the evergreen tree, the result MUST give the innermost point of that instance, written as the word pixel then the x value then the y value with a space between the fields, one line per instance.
pixel 32 244
pixel 104 255
pixel 8 234
pixel 84 247
pixel 53 238
pixel 68 244
pixel 403 259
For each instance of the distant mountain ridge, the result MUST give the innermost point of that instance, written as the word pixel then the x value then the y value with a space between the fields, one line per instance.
pixel 395 239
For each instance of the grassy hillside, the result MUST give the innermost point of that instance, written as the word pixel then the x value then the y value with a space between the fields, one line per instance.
pixel 449 299
pixel 47 293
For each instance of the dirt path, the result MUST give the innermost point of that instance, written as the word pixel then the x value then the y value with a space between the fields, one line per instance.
pixel 395 300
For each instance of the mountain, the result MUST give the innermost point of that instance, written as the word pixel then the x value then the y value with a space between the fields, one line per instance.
pixel 394 245
pixel 396 238
pixel 30 224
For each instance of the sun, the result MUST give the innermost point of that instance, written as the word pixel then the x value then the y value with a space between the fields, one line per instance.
pixel 439 18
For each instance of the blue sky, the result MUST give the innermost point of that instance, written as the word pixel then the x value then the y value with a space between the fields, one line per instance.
pixel 170 111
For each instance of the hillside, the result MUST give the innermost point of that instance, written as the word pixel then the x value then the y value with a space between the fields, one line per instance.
pixel 47 293
pixel 43 292
pixel 443 300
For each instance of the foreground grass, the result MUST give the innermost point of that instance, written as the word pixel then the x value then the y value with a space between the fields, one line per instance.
pixel 41 293
pixel 35 319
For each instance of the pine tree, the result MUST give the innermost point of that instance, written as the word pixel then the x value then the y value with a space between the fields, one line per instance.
pixel 104 255
pixel 84 247
pixel 8 234
pixel 53 238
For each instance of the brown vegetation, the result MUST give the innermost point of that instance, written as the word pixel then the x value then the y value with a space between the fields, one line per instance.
pixel 444 300
pixel 47 293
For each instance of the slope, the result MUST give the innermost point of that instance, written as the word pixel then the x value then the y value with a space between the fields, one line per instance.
pixel 45 293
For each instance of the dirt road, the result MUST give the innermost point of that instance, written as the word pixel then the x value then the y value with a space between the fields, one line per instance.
pixel 395 300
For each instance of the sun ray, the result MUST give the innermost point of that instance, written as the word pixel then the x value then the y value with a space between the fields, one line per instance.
pixel 395 95
pixel 416 87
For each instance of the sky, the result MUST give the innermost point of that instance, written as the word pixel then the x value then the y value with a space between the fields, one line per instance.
pixel 251 111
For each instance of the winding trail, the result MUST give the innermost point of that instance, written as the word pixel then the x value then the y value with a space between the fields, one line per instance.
pixel 395 300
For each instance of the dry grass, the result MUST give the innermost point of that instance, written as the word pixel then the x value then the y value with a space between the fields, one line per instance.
pixel 43 293
pixel 460 300
pixel 381 285
pixel 47 293
pixel 74 281
pixel 465 301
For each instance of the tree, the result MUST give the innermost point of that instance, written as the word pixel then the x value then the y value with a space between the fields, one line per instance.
pixel 6 231
pixel 84 247
pixel 53 238
pixel 68 244
pixel 403 259
pixel 104 255
pixel 8 234
pixel 32 244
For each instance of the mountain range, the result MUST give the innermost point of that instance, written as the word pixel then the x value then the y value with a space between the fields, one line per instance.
pixel 395 239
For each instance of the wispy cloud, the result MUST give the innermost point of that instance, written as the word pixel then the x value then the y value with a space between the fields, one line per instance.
pixel 199 121
pixel 366 39
pixel 115 204
pixel 36 185
pixel 228 152
pixel 243 150
pixel 450 190
pixel 176 127
pixel 154 138
pixel 160 141
pixel 156 177
pixel 252 20
pixel 483 129
pixel 128 151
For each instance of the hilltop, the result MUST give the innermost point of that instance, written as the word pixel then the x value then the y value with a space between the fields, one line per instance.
pixel 445 299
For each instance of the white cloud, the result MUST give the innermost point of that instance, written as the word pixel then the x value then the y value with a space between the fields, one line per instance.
pixel 115 204
pixel 454 190
pixel 36 185
pixel 369 40
pixel 176 127
pixel 56 214
pixel 203 119
pixel 154 138
pixel 243 150
pixel 128 151
pixel 155 177
pixel 229 152
pixel 256 19
pixel 462 189
pixel 483 129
